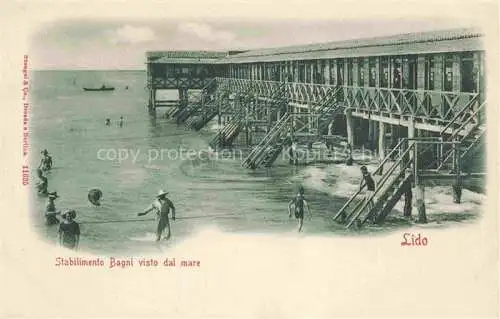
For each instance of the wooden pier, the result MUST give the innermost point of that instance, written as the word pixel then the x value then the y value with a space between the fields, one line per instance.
pixel 417 99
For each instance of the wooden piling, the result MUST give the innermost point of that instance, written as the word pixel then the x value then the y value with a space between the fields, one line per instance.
pixel 420 203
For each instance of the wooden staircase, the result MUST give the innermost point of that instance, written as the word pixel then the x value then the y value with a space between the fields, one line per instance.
pixel 182 114
pixel 328 109
pixel 269 148
pixel 388 190
pixel 229 132
pixel 209 113
pixel 468 128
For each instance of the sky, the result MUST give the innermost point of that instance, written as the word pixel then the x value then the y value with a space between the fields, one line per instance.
pixel 121 44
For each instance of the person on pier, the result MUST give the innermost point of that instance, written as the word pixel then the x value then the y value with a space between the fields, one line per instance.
pixel 292 153
pixel 348 153
pixel 46 162
pixel 300 204
pixel 370 186
pixel 162 205
pixel 50 210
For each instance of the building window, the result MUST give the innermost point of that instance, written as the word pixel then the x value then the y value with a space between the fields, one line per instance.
pixel 350 77
pixel 384 72
pixel 468 73
pixel 340 72
pixel 429 73
pixel 448 73
pixel 333 78
pixel 397 73
pixel 302 72
pixel 372 65
pixel 361 72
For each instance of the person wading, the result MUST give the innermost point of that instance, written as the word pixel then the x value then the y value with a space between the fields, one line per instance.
pixel 50 210
pixel 46 162
pixel 42 184
pixel 69 231
pixel 300 204
pixel 162 205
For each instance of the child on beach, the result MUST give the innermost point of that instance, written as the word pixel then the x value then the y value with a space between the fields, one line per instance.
pixel 299 204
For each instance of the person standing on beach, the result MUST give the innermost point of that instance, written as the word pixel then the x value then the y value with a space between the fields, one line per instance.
pixel 69 231
pixel 292 153
pixel 50 210
pixel 370 185
pixel 120 123
pixel 162 205
pixel 348 152
pixel 300 204
pixel 107 122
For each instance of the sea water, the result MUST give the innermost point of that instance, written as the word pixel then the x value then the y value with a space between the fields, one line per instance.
pixel 219 193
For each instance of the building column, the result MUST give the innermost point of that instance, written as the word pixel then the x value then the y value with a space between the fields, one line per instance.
pixel 420 203
pixel 326 71
pixel 381 140
pixel 150 100
pixel 333 79
pixel 349 127
pixel 408 202
pixel 370 132
pixel 411 127
pixel 183 98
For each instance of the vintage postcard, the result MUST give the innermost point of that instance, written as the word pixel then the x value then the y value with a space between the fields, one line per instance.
pixel 226 159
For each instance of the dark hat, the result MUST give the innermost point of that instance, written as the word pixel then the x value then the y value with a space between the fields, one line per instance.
pixel 363 168
pixel 69 213
pixel 45 152
pixel 301 190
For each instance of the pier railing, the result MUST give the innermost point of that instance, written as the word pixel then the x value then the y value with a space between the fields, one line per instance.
pixel 440 106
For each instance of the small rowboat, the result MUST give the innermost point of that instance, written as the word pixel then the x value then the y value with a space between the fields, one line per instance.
pixel 102 88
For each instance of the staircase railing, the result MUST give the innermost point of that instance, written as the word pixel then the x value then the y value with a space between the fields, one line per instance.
pixel 379 169
pixel 252 159
pixel 466 127
pixel 270 135
pixel 232 125
pixel 403 162
pixel 471 118
pixel 389 186
pixel 328 108
pixel 463 111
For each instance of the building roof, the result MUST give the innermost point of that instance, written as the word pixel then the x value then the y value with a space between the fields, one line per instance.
pixel 454 40
pixel 410 43
pixel 184 56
